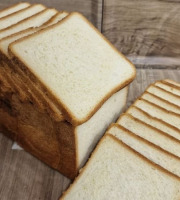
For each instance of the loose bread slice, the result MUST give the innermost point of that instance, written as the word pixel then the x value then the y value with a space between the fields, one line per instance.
pixel 168 96
pixel 168 88
pixel 158 112
pixel 14 18
pixel 87 65
pixel 161 102
pixel 34 21
pixel 150 133
pixel 147 149
pixel 115 171
pixel 172 83
pixel 153 121
pixel 13 9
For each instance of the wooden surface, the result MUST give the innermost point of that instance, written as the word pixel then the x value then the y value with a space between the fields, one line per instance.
pixel 138 28
pixel 144 28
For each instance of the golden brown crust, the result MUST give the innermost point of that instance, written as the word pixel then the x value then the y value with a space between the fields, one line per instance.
pixel 9 7
pixel 161 99
pixel 109 136
pixel 149 126
pixel 172 84
pixel 24 20
pixel 49 141
pixel 155 119
pixel 67 113
pixel 143 140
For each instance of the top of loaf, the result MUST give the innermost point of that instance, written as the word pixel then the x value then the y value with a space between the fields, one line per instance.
pixel 75 64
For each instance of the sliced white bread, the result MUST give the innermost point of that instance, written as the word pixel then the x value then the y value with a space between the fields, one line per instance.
pixel 168 88
pixel 164 94
pixel 115 171
pixel 74 66
pixel 147 149
pixel 14 8
pixel 21 86
pixel 150 133
pixel 172 83
pixel 161 102
pixel 153 121
pixel 58 17
pixel 159 112
pixel 14 18
pixel 34 21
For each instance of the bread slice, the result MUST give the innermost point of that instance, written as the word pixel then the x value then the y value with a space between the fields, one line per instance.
pixel 161 102
pixel 172 83
pixel 153 121
pixel 34 21
pixel 89 66
pixel 150 133
pixel 58 17
pixel 147 149
pixel 14 8
pixel 17 80
pixel 18 16
pixel 116 171
pixel 164 94
pixel 168 88
pixel 158 112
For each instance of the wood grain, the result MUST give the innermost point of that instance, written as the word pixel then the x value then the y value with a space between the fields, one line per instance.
pixel 92 9
pixel 143 28
pixel 24 177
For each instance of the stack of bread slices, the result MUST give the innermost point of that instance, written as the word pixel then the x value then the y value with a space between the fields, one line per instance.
pixel 139 156
pixel 62 83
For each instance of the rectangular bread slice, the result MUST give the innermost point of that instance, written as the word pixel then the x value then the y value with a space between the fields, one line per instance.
pixel 168 88
pixel 161 102
pixel 14 8
pixel 14 18
pixel 158 112
pixel 150 133
pixel 33 21
pixel 90 66
pixel 115 171
pixel 172 83
pixel 22 85
pixel 168 96
pixel 149 150
pixel 153 121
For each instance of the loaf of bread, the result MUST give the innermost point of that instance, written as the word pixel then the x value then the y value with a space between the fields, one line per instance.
pixel 59 112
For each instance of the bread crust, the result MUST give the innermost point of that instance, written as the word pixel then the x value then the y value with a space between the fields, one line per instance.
pixel 66 112
pixel 142 139
pixel 120 142
pixel 10 7
pixel 154 118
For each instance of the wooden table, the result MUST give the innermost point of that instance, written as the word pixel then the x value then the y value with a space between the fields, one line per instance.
pixel 130 29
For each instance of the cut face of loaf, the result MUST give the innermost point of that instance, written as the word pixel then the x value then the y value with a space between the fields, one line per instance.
pixel 161 102
pixel 147 149
pixel 79 77
pixel 172 83
pixel 150 133
pixel 13 9
pixel 158 112
pixel 153 121
pixel 18 16
pixel 115 171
